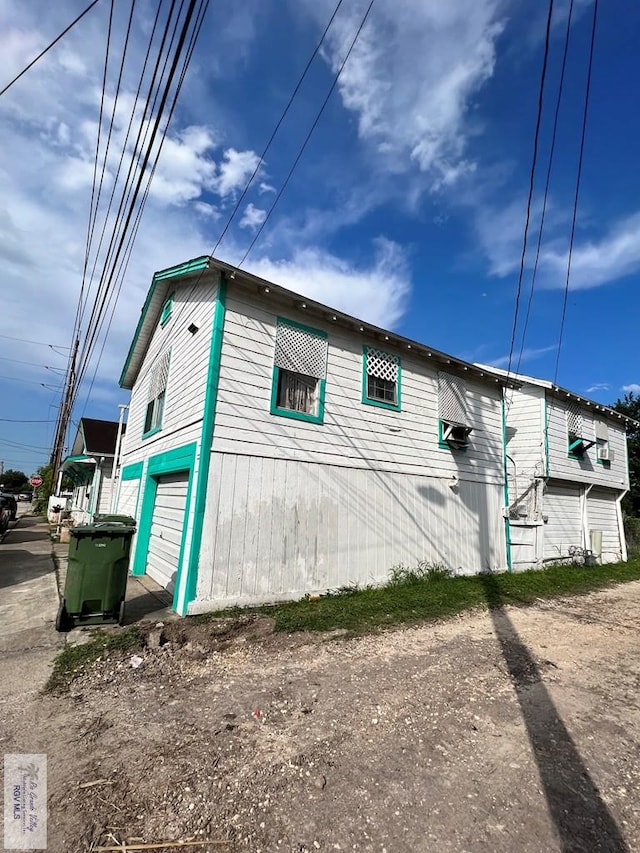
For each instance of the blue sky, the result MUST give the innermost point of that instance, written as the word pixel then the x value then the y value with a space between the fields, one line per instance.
pixel 407 208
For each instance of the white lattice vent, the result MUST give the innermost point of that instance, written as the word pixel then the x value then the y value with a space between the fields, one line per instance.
pixel 451 397
pixel 159 376
pixel 301 350
pixel 574 419
pixel 382 365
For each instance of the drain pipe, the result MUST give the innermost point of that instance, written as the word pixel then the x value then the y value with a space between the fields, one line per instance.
pixel 115 470
pixel 621 533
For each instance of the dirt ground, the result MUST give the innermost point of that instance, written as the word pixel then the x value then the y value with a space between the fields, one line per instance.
pixel 515 729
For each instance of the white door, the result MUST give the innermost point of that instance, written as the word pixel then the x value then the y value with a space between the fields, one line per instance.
pixel 166 529
pixel 602 512
pixel 563 528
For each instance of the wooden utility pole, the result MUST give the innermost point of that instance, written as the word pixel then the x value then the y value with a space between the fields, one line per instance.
pixel 65 414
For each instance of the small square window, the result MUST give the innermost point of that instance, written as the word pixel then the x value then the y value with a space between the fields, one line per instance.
pixel 381 379
pixel 453 425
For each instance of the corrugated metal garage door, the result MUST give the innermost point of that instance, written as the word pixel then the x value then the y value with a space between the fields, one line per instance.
pixel 602 515
pixel 561 506
pixel 128 497
pixel 166 529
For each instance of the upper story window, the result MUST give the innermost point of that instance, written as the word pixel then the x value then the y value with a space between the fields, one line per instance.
pixel 381 379
pixel 453 426
pixel 166 310
pixel 577 443
pixel 158 377
pixel 604 453
pixel 299 372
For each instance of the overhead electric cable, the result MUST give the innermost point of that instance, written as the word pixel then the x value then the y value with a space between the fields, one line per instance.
pixel 36 343
pixel 534 160
pixel 577 192
pixel 275 130
pixel 48 48
pixel 547 183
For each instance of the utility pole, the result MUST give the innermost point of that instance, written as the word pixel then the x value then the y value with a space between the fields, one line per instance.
pixel 65 414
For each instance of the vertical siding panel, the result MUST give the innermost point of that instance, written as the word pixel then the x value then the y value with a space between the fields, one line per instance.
pixel 263 513
pixel 252 526
pixel 238 524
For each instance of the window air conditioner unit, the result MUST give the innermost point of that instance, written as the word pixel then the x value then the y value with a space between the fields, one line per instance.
pixel 605 454
pixel 455 435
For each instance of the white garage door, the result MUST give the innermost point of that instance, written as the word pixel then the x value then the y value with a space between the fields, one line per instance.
pixel 166 529
pixel 128 497
pixel 602 515
pixel 561 507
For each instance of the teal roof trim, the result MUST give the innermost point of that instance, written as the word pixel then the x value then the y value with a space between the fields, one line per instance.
pixel 187 268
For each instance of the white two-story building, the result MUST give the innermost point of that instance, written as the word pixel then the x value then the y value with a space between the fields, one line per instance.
pixel 276 447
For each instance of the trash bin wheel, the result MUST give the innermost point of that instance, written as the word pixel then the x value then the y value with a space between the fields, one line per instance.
pixel 62 617
pixel 121 616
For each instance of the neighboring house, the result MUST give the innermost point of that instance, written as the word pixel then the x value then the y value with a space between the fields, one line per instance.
pixel 567 472
pixel 91 466
pixel 276 447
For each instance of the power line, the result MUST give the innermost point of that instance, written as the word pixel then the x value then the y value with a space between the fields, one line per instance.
pixel 21 421
pixel 36 343
pixel 292 98
pixel 577 193
pixel 547 183
pixel 536 138
pixel 48 48
pixel 32 364
pixel 32 382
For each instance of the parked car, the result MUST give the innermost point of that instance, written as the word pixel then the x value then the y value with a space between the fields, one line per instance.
pixel 25 496
pixel 5 515
pixel 11 504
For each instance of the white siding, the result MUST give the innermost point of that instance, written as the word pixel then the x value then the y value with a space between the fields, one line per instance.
pixel 104 498
pixel 128 498
pixel 186 387
pixel 353 434
pixel 587 469
pixel 280 529
pixel 166 529
pixel 563 529
pixel 524 411
pixel 524 545
pixel 602 515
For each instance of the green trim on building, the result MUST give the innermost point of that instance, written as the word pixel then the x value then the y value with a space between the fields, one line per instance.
pixel 206 442
pixel 170 462
pixel 195 265
pixel 167 309
pixel 370 401
pixel 320 333
pixel 546 437
pixel 507 523
pixel 152 431
pixel 132 472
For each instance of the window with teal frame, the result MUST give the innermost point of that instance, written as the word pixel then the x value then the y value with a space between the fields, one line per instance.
pixel 299 372
pixel 166 310
pixel 381 378
pixel 158 379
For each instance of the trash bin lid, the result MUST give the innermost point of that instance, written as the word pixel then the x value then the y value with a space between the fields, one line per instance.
pixel 101 518
pixel 103 527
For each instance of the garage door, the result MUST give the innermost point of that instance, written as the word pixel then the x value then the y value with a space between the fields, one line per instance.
pixel 563 528
pixel 128 497
pixel 602 515
pixel 166 529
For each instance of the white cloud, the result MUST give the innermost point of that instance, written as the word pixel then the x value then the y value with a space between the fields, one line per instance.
pixel 528 354
pixel 412 76
pixel 633 388
pixel 376 293
pixel 234 171
pixel 264 187
pixel 598 386
pixel 252 217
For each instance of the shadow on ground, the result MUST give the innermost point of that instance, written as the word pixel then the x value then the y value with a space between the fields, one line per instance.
pixel 582 819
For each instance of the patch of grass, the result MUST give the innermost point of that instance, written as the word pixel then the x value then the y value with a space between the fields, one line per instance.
pixel 73 661
pixel 413 596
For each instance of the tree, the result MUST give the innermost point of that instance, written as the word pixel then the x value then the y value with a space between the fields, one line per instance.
pixel 14 481
pixel 630 406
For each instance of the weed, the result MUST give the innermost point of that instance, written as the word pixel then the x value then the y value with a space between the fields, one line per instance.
pixel 74 660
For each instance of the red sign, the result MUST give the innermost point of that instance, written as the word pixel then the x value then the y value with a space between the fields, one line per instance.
pixel 36 481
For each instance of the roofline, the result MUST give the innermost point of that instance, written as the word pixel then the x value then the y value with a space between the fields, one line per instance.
pixel 557 389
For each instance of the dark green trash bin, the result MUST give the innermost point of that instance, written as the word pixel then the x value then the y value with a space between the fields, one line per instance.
pixel 96 583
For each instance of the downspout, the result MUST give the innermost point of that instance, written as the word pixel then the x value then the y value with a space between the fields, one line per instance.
pixel 623 538
pixel 586 541
pixel 115 470
pixel 507 525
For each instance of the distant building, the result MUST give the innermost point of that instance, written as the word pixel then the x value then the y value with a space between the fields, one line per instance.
pixel 91 466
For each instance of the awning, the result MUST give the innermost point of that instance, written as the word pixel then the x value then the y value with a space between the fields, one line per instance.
pixel 79 469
